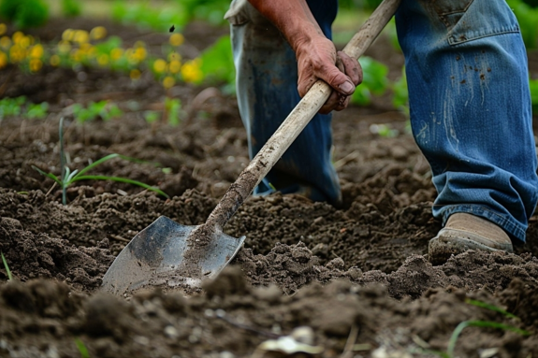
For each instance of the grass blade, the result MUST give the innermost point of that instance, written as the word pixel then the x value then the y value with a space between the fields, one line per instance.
pixel 96 163
pixel 490 307
pixel 6 266
pixel 50 175
pixel 122 180
pixel 82 348
pixel 485 324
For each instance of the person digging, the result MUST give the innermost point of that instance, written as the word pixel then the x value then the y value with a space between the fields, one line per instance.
pixel 469 99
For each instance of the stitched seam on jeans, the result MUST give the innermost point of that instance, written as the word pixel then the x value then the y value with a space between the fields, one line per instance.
pixel 443 15
pixel 452 40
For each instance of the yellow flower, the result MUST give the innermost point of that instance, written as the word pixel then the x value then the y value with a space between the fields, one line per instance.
pixel 168 82
pixel 81 36
pixel 76 55
pixel 24 42
pixel 5 42
pixel 3 29
pixel 102 59
pixel 135 74
pixel 35 64
pixel 3 60
pixel 176 39
pixel 64 46
pixel 116 53
pixel 140 53
pixel 68 34
pixel 174 56
pixel 17 36
pixel 98 33
pixel 36 51
pixel 191 71
pixel 175 66
pixel 54 60
pixel 139 44
pixel 17 54
pixel 159 65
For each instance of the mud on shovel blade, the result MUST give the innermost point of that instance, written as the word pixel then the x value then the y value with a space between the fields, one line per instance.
pixel 155 253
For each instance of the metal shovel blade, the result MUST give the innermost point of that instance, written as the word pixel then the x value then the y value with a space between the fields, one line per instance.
pixel 156 253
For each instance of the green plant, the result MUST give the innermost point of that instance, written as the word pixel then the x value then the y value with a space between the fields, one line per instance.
pixel 18 106
pixel 218 64
pixel 485 324
pixel 37 111
pixel 82 349
pixel 67 177
pixel 374 81
pixel 25 13
pixel 534 93
pixel 101 109
pixel 146 14
pixel 6 266
pixel 151 116
pixel 71 8
pixel 172 107
pixel 528 22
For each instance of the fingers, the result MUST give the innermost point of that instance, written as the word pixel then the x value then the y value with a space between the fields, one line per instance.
pixel 336 102
pixel 351 67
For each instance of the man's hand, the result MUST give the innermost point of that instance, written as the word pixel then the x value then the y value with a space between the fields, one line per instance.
pixel 318 59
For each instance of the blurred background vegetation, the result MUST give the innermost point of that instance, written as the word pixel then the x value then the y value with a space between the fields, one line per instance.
pixel 214 66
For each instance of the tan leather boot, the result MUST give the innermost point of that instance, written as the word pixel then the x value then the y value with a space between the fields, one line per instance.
pixel 464 232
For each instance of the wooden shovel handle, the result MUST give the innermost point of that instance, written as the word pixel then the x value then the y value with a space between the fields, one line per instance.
pixel 296 121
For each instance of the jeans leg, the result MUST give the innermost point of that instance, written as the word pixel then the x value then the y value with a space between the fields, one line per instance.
pixel 470 107
pixel 267 92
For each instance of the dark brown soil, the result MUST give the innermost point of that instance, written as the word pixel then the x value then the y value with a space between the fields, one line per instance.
pixel 359 276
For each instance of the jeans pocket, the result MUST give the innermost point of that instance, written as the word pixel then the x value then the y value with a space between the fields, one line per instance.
pixel 451 11
pixel 237 13
pixel 467 20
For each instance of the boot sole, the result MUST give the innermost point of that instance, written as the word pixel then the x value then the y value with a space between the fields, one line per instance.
pixel 448 243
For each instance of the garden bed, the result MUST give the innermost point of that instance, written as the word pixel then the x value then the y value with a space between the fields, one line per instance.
pixel 359 276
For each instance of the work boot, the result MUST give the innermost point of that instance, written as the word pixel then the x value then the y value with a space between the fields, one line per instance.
pixel 464 232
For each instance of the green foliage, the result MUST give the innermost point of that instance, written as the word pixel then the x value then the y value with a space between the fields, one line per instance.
pixel 24 13
pixel 400 98
pixel 534 94
pixel 532 3
pixel 71 8
pixel 67 177
pixel 37 111
pixel 6 267
pixel 18 106
pixel 374 81
pixel 211 11
pixel 101 109
pixel 528 22
pixel 146 15
pixel 151 116
pixel 361 4
pixel 172 107
pixel 82 348
pixel 485 324
pixel 218 64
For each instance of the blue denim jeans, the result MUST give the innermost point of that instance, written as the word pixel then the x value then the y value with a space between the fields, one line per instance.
pixel 469 101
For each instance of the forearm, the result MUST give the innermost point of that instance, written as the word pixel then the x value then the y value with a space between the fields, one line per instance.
pixel 292 17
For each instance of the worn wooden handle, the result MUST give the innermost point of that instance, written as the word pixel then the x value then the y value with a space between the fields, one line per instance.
pixel 296 121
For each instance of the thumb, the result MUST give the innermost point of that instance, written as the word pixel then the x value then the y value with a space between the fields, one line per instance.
pixel 339 81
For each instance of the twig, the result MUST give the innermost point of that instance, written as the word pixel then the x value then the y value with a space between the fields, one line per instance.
pixel 351 339
pixel 51 188
pixel 119 238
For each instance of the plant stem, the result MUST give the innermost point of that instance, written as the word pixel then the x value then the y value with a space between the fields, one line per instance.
pixel 62 161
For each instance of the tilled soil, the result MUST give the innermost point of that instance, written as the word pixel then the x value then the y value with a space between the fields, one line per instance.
pixel 348 282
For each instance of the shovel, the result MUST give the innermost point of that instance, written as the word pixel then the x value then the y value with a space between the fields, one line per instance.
pixel 177 256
